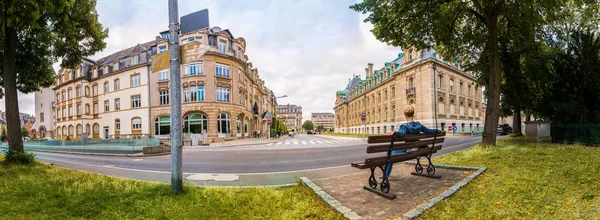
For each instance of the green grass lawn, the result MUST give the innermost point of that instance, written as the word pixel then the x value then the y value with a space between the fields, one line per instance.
pixel 46 192
pixel 525 181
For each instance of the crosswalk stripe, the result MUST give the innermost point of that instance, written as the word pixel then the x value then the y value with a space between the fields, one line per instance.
pixel 279 143
pixel 312 142
pixel 320 142
pixel 335 141
pixel 295 142
pixel 303 142
pixel 329 142
pixel 269 144
pixel 287 142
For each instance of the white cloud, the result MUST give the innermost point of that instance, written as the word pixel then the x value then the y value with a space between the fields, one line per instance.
pixel 304 49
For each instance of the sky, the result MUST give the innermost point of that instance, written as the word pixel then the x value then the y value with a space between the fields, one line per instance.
pixel 305 49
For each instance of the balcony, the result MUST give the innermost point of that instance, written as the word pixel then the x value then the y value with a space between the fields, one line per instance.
pixel 411 91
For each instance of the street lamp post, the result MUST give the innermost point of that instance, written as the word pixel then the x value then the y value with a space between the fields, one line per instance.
pixel 176 148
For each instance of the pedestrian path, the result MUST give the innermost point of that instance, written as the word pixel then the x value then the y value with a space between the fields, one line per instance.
pixel 314 142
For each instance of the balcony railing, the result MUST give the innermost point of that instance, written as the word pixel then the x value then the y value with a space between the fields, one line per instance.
pixel 410 91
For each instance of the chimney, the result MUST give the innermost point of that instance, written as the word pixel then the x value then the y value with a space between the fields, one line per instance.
pixel 370 68
pixel 367 72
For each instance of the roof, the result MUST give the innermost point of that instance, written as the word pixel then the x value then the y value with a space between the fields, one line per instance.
pixel 125 53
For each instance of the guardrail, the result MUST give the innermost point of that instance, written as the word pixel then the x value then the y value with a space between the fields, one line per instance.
pixel 119 146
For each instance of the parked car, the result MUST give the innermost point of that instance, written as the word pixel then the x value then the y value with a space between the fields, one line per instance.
pixel 504 129
pixel 309 132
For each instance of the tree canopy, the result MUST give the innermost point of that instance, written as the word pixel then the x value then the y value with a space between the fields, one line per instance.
pixel 34 35
pixel 308 125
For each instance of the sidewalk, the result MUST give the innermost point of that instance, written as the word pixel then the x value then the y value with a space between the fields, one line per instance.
pixel 339 138
pixel 243 142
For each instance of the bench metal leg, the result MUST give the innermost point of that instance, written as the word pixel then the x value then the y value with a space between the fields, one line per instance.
pixel 430 168
pixel 384 187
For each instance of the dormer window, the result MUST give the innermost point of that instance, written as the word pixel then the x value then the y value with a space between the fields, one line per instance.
pixel 190 40
pixel 135 60
pixel 222 46
pixel 162 49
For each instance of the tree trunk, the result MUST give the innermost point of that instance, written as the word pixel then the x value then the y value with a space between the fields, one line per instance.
pixel 11 100
pixel 527 115
pixel 517 120
pixel 493 104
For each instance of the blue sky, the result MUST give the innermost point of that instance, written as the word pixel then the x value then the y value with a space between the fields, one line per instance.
pixel 306 49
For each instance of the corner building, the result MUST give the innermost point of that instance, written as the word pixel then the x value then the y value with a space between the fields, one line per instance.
pixel 223 94
pixel 409 79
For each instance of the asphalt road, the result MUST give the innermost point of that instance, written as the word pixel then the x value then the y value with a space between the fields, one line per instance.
pixel 302 152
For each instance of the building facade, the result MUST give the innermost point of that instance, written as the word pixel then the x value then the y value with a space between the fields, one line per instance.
pixel 44 111
pixel 127 94
pixel 410 79
pixel 223 94
pixel 326 119
pixel 291 115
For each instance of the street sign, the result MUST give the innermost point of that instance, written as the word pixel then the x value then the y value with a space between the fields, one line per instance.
pixel 268 122
pixel 363 118
pixel 454 128
pixel 449 127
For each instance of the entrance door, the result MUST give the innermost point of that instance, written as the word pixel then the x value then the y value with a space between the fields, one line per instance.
pixel 105 132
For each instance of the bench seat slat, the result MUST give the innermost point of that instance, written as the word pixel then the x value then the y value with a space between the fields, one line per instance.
pixel 376 148
pixel 412 137
pixel 382 160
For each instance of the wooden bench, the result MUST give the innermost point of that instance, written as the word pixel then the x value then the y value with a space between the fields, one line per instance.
pixel 380 144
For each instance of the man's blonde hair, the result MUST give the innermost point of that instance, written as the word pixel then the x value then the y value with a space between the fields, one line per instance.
pixel 409 111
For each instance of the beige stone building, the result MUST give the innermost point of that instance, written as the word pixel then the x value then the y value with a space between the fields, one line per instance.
pixel 44 113
pixel 409 79
pixel 291 115
pixel 326 119
pixel 223 94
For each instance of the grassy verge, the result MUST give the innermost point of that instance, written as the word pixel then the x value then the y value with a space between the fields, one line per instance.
pixel 349 135
pixel 45 192
pixel 525 180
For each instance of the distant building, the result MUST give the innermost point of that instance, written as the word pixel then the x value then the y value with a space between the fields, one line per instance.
pixel 45 112
pixel 326 119
pixel 24 117
pixel 291 115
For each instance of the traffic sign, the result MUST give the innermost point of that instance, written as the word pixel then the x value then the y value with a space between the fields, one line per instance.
pixel 449 127
pixel 268 122
pixel 363 118
pixel 454 128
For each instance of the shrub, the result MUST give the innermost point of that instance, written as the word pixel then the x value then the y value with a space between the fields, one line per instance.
pixel 15 157
pixel 516 135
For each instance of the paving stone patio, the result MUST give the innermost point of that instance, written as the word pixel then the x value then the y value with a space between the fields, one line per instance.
pixel 411 190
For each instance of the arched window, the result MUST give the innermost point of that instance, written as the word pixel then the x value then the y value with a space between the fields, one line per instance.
pixel 452 111
pixel 411 83
pixel 64 130
pixel 411 102
pixel 79 129
pixel 224 125
pixel 441 106
pixel 393 92
pixel 393 112
pixel 462 108
pixel 87 128
pixel 96 129
pixel 87 91
pixel 195 123
pixel 386 113
pixel 476 111
pixel 59 132
pixel 470 110
pixel 71 130
pixel 162 126
pixel 238 126
pixel 117 124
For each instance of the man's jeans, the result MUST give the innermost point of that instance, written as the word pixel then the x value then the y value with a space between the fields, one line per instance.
pixel 388 168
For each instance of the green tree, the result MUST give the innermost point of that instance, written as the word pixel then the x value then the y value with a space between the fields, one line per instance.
pixel 466 30
pixel 24 132
pixel 34 35
pixel 308 125
pixel 3 136
pixel 320 128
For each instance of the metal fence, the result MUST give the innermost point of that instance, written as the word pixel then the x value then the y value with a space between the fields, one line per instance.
pixel 587 134
pixel 120 146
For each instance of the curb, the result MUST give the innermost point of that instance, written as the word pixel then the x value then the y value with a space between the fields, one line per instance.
pixel 330 200
pixel 413 213
pixel 236 145
pixel 101 154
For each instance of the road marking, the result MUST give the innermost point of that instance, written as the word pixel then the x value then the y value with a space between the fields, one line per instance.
pixel 279 143
pixel 295 142
pixel 312 142
pixel 320 142
pixel 137 159
pixel 287 142
pixel 270 144
pixel 303 142
pixel 335 141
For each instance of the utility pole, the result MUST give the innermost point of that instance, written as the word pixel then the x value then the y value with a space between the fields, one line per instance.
pixel 176 151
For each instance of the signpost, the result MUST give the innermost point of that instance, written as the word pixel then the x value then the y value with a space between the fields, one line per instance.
pixel 454 128
pixel 176 148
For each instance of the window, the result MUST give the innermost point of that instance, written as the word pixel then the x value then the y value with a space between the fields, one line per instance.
pixel 163 75
pixel 222 70
pixel 136 123
pixel 62 95
pixel 186 71
pixel 117 104
pixel 78 109
pixel 162 125
pixel 87 128
pixel 87 91
pixel 194 68
pixel 167 35
pixel 224 125
pixel 195 124
pixel 136 101
pixel 71 130
pixel 64 112
pixel 41 117
pixel 393 113
pixel 87 108
pixel 441 106
pixel 393 92
pixel 117 124
pixel 96 129
pixel 222 94
pixel 200 93
pixel 411 83
pixel 78 91
pixel 440 81
pixel 462 108
pixel 162 48
pixel 164 97
pixel 58 97
pixel 117 84
pixel 95 108
pixel 105 87
pixel 106 106
pixel 95 90
pixel 222 46
pixel 135 80
pixel 461 88
pixel 69 94
pixel 135 60
pixel 190 40
pixel 469 90
pixel 451 85
pixel 79 129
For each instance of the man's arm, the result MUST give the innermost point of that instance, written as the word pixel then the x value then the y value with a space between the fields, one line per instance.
pixel 402 131
pixel 427 130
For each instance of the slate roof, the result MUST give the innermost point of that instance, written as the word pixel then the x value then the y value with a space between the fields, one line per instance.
pixel 125 53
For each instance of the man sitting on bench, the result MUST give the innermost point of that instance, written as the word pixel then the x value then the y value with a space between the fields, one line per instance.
pixel 410 127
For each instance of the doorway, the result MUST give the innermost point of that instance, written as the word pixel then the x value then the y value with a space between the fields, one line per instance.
pixel 106 132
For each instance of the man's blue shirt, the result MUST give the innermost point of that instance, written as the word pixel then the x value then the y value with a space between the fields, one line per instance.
pixel 414 127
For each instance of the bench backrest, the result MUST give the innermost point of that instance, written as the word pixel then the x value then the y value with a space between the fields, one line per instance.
pixel 382 143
